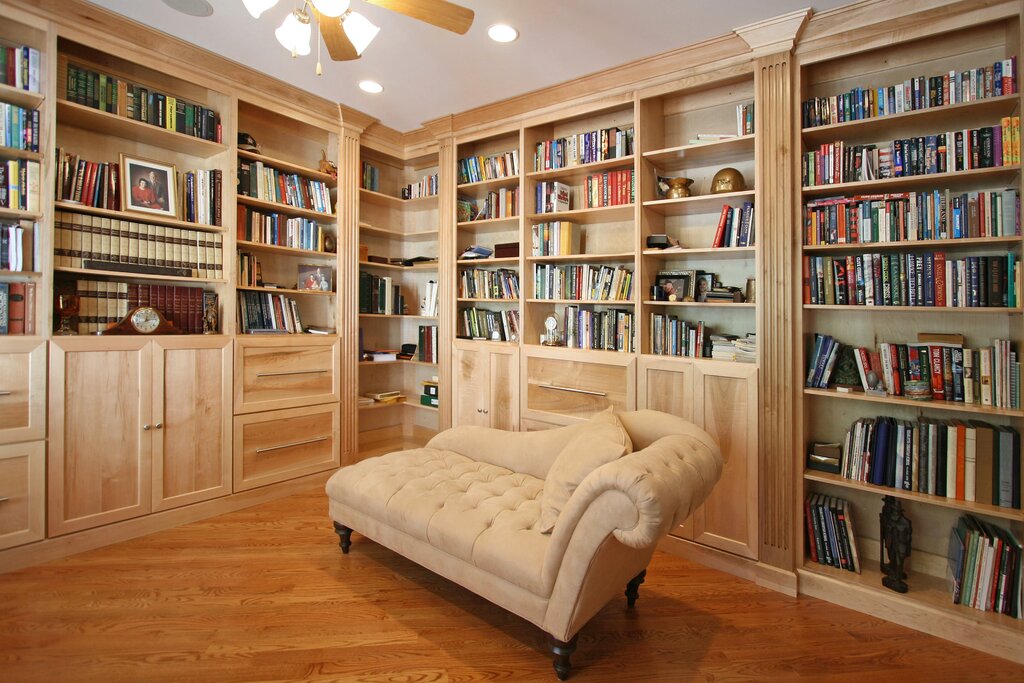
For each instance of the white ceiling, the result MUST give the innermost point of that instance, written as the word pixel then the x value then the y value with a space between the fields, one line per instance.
pixel 428 72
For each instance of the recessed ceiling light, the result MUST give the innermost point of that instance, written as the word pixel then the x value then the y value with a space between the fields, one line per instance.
pixel 193 8
pixel 502 33
pixel 372 87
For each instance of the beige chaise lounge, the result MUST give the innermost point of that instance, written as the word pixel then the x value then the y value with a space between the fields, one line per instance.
pixel 549 525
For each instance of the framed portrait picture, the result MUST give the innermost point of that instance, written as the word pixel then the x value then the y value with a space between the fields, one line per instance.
pixel 674 285
pixel 315 278
pixel 148 186
pixel 704 283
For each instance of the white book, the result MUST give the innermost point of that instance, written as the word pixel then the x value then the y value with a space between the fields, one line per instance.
pixel 970 462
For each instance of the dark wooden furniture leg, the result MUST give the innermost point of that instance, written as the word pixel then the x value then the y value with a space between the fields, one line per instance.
pixel 633 589
pixel 562 651
pixel 344 537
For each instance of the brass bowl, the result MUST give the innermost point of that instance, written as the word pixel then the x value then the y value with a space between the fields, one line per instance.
pixel 679 187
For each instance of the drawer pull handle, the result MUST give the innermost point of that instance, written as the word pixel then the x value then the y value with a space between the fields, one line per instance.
pixel 290 372
pixel 588 392
pixel 290 445
pixel 4 499
pixel 5 393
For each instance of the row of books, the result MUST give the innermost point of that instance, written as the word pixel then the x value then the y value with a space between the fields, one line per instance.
pixel 557 238
pixel 745 118
pixel 141 103
pixel 101 304
pixel 19 185
pixel 830 537
pixel 480 323
pixel 17 308
pixel 201 196
pixel 501 203
pixel 476 169
pixel 477 283
pixel 428 304
pixel 552 197
pixel 912 216
pixel 427 186
pixel 268 313
pixel 938 367
pixel 269 184
pixel 961 150
pixel 274 228
pixel 611 188
pixel 609 330
pixel 671 336
pixel 19 128
pixel 926 279
pixel 583 148
pixel 370 179
pixel 966 460
pixel 380 295
pixel 86 241
pixel 736 227
pixel 920 92
pixel 582 282
pixel 428 344
pixel 18 246
pixel 19 67
pixel 985 567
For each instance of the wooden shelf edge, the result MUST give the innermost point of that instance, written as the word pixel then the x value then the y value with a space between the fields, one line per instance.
pixel 136 217
pixel 282 165
pixel 964 242
pixel 278 207
pixel 952 406
pixel 286 251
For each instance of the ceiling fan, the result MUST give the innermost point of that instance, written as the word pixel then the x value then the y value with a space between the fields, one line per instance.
pixel 347 32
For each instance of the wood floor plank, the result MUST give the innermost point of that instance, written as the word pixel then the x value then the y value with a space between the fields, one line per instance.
pixel 264 594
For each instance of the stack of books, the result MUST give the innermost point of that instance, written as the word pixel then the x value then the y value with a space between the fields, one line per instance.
pixel 985 567
pixel 830 536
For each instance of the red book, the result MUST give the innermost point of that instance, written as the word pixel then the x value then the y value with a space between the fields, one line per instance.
pixel 940 279
pixel 851 280
pixel 935 363
pixel 807 279
pixel 16 308
pixel 723 219
pixel 897 381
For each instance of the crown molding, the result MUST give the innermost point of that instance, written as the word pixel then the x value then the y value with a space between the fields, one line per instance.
pixel 778 34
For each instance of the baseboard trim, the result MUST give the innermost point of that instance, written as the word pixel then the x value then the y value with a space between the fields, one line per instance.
pixel 710 557
pixel 62 546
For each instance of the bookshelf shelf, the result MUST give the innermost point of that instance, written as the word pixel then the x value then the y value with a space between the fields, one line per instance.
pixel 997 175
pixel 586 302
pixel 710 252
pixel 969 310
pixel 396 362
pixel 17 214
pixel 507 260
pixel 950 406
pixel 702 154
pixel 915 245
pixel 701 304
pixel 577 173
pixel 137 276
pixel 106 123
pixel 283 290
pixel 137 217
pixel 710 363
pixel 380 405
pixel 462 300
pixel 15 153
pixel 388 201
pixel 955 116
pixel 283 251
pixel 20 274
pixel 623 256
pixel 23 98
pixel 708 203
pixel 603 214
pixel 282 165
pixel 286 209
pixel 483 186
pixel 489 224
pixel 419 267
pixel 396 316
pixel 388 233
pixel 941 501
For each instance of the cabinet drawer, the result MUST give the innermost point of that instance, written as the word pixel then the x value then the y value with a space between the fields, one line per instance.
pixel 568 389
pixel 22 390
pixel 22 493
pixel 284 444
pixel 282 373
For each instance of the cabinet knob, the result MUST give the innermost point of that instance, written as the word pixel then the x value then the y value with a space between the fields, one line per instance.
pixel 145 428
pixel 479 410
pixel 485 412
pixel 159 425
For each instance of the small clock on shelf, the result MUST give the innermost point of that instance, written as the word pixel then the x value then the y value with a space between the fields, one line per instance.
pixel 143 320
pixel 552 338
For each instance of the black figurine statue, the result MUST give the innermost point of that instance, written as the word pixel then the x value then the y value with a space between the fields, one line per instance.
pixel 895 535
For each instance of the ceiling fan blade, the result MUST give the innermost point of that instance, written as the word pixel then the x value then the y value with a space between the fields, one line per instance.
pixel 338 44
pixel 441 13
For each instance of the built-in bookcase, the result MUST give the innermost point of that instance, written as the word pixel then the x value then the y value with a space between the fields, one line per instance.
pixel 403 233
pixel 828 413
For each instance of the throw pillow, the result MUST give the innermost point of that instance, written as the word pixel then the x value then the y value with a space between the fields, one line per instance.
pixel 607 419
pixel 580 457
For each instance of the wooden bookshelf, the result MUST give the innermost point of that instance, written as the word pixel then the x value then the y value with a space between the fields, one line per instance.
pixel 702 154
pixel 288 167
pixel 25 99
pixel 286 209
pixel 997 176
pixel 155 219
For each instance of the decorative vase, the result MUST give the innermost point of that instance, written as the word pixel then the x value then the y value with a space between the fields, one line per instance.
pixel 679 187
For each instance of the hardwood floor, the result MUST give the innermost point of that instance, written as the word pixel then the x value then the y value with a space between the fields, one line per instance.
pixel 265 594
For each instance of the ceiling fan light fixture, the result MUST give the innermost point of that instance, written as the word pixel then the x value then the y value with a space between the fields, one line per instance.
pixel 258 7
pixel 294 33
pixel 360 30
pixel 502 33
pixel 372 87
pixel 331 8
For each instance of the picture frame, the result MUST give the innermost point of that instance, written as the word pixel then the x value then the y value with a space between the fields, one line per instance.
pixel 703 283
pixel 148 186
pixel 677 285
pixel 314 277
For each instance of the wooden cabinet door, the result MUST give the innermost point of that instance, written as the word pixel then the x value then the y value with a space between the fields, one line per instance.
pixel 191 420
pixel 726 407
pixel 22 390
pixel 100 406
pixel 503 389
pixel 470 385
pixel 22 493
pixel 666 385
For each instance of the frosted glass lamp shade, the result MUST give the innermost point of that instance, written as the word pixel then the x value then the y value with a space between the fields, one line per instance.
pixel 330 8
pixel 294 33
pixel 258 7
pixel 359 30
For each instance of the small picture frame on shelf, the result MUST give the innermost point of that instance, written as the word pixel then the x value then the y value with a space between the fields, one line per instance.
pixel 315 278
pixel 675 285
pixel 148 186
pixel 705 282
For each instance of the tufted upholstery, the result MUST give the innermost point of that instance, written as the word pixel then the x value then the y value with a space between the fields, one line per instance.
pixel 467 506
